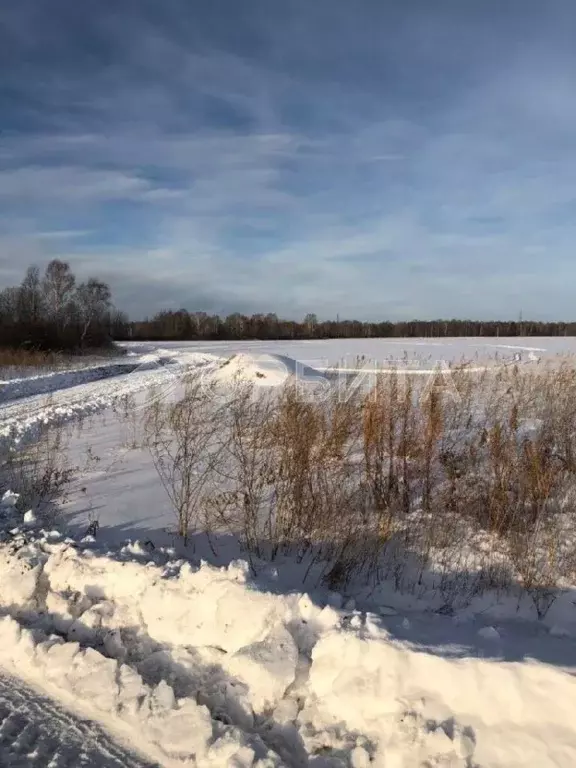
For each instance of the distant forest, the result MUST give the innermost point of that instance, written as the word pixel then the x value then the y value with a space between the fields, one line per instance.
pixel 53 311
pixel 183 325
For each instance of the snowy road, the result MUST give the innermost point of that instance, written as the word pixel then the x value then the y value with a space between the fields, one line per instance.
pixel 35 732
pixel 75 395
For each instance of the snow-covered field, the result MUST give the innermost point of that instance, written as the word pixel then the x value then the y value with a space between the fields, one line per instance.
pixel 413 353
pixel 177 661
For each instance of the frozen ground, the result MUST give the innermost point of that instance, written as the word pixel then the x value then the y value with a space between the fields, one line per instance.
pixel 145 656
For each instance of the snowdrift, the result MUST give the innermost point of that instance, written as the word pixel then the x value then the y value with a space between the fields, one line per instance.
pixel 491 713
pixel 266 370
pixel 197 667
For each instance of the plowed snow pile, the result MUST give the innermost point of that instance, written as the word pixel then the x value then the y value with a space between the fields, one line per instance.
pixel 193 666
pixel 266 370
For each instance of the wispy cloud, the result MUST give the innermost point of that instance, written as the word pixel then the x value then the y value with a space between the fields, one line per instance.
pixel 361 159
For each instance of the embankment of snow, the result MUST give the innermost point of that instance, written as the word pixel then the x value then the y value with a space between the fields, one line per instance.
pixel 78 394
pixel 262 370
pixel 202 668
pixel 220 597
pixel 41 384
pixel 492 713
pixel 55 381
pixel 174 731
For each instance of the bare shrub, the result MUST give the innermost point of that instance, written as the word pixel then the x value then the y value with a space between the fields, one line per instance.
pixel 182 438
pixel 286 472
pixel 131 419
pixel 243 504
pixel 40 471
pixel 498 458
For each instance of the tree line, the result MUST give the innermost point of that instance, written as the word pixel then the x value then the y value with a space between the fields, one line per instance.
pixel 182 325
pixel 52 311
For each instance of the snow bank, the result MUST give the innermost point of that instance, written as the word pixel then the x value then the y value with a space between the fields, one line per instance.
pixel 497 714
pixel 174 731
pixel 198 666
pixel 207 606
pixel 79 394
pixel 54 381
pixel 41 383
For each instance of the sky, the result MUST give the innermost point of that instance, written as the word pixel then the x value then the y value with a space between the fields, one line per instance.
pixel 361 158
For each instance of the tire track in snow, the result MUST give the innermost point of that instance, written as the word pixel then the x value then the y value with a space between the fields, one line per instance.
pixel 35 732
pixel 23 419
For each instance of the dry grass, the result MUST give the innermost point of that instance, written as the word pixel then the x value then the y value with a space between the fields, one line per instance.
pixel 464 480
pixel 462 475
pixel 24 358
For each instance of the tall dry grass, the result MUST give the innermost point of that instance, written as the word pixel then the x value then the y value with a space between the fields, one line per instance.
pixel 463 475
pixel 25 358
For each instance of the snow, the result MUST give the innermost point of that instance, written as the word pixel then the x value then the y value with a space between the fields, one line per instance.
pixel 411 353
pixel 36 732
pixel 163 727
pixel 496 714
pixel 221 601
pixel 76 395
pixel 262 370
pixel 16 388
pixel 27 404
pixel 489 633
pixel 172 660
pixel 191 665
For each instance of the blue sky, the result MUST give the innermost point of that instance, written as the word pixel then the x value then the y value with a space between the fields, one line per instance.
pixel 364 158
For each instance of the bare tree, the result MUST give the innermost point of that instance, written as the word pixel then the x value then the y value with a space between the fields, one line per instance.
pixel 48 312
pixel 58 286
pixel 30 297
pixel 93 302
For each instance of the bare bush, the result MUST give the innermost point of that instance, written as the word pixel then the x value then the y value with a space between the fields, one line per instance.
pixel 243 503
pixel 285 472
pixel 40 472
pixel 131 419
pixel 183 440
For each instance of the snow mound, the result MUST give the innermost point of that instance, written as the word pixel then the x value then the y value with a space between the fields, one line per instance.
pixel 262 370
pixel 477 712
pixel 266 370
pixel 173 731
pixel 221 601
